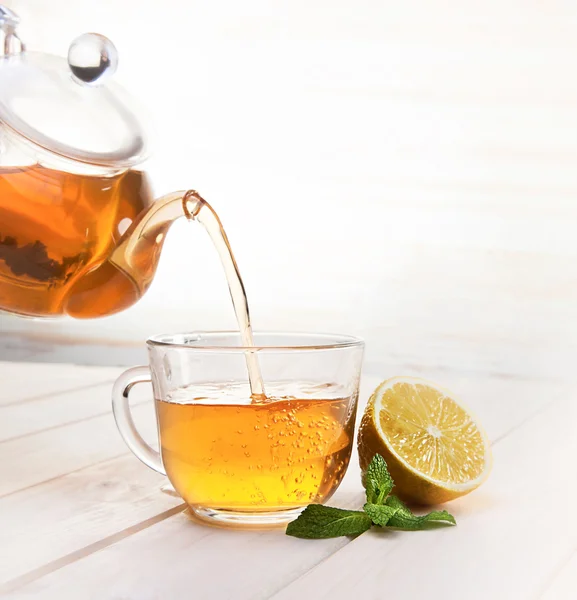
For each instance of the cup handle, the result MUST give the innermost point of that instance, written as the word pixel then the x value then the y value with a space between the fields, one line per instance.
pixel 124 421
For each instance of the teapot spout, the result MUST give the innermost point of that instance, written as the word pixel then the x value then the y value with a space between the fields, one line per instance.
pixel 121 280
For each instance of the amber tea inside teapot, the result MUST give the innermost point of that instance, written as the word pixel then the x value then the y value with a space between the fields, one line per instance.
pixel 80 233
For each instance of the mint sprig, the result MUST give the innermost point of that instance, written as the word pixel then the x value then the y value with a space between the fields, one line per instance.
pixel 381 509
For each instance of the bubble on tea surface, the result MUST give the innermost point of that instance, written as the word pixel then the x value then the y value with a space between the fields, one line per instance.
pixel 92 58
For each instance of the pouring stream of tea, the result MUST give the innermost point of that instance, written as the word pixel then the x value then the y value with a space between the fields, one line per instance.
pixel 198 209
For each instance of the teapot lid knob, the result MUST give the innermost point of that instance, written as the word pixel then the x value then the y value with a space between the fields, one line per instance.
pixel 92 58
pixel 9 20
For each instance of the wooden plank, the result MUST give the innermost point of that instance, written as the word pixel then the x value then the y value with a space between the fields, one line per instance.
pixel 61 408
pixel 33 459
pixel 9 352
pixel 508 541
pixel 24 381
pixel 563 584
pixel 44 525
pixel 185 553
pixel 54 348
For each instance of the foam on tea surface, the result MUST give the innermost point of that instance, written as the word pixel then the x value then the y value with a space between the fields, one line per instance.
pixel 239 392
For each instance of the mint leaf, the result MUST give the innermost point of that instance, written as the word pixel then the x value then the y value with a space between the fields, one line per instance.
pixel 413 523
pixel 378 482
pixel 380 514
pixel 396 502
pixel 318 521
pixel 403 518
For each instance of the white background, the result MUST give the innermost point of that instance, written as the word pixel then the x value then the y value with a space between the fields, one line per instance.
pixel 404 171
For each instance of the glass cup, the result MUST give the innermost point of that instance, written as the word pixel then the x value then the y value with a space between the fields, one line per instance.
pixel 238 460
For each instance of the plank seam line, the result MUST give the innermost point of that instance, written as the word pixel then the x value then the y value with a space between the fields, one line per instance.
pixel 68 423
pixel 68 559
pixel 528 418
pixel 94 464
pixel 409 363
pixel 556 572
pixel 58 393
pixel 330 556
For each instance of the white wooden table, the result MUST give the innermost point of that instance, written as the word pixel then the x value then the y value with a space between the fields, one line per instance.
pixel 80 517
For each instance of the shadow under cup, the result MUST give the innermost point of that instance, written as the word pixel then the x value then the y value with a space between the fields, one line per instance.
pixel 242 460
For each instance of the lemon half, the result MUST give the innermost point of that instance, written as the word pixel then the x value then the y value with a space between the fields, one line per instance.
pixel 435 449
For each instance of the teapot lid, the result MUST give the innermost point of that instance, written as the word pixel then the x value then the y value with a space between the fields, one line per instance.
pixel 68 106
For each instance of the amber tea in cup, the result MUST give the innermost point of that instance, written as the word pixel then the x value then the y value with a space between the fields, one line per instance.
pixel 240 459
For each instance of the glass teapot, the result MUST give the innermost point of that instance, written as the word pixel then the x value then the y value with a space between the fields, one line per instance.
pixel 80 233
